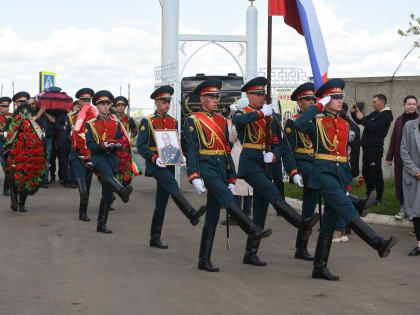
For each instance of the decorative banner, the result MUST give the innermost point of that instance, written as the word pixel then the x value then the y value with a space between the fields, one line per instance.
pixel 46 80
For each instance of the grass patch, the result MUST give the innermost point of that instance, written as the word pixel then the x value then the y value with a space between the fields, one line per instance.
pixel 389 205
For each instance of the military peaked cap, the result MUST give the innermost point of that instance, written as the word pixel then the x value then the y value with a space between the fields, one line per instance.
pixel 85 93
pixel 19 96
pixel 255 86
pixel 304 90
pixel 209 87
pixel 103 95
pixel 5 100
pixel 163 93
pixel 331 87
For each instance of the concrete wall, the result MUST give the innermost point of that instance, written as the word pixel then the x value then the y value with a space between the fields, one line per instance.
pixel 395 89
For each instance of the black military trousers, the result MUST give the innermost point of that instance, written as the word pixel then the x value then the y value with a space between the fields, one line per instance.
pixel 372 171
pixel 218 195
pixel 81 172
pixel 166 186
pixel 265 192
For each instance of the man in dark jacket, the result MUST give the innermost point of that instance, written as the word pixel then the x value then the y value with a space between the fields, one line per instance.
pixel 376 128
pixel 355 144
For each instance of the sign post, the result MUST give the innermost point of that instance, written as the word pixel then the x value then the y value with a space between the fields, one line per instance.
pixel 46 80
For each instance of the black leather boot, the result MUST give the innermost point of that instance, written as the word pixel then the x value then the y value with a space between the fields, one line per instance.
pixel 251 249
pixel 362 204
pixel 111 208
pixel 103 217
pixel 187 209
pixel 156 230
pixel 366 233
pixel 22 200
pixel 84 200
pixel 206 245
pixel 303 224
pixel 246 224
pixel 322 252
pixel 13 198
pixel 302 248
pixel 120 190
pixel 6 187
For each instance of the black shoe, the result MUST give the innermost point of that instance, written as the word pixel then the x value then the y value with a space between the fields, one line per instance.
pixel 122 191
pixel 186 208
pixel 322 252
pixel 301 248
pixel 377 202
pixel 414 252
pixel 14 207
pixel 156 230
pixel 44 184
pixel 103 217
pixel 206 245
pixel 362 204
pixel 367 234
pixel 156 242
pixel 250 257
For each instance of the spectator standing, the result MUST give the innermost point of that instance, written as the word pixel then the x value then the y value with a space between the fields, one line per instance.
pixel 410 156
pixel 354 144
pixel 410 113
pixel 376 125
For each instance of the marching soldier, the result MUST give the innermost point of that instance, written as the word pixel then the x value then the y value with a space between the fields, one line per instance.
pixel 164 175
pixel 210 165
pixel 4 115
pixel 329 136
pixel 79 158
pixel 120 104
pixel 104 139
pixel 250 124
pixel 303 153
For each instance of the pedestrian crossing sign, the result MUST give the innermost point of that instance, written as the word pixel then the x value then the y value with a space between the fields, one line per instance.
pixel 46 80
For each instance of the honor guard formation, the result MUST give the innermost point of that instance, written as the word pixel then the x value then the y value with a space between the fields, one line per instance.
pixel 313 149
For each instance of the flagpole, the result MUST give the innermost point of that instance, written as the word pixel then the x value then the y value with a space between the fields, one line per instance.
pixel 268 96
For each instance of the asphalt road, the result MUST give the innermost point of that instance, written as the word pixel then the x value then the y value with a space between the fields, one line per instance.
pixel 51 263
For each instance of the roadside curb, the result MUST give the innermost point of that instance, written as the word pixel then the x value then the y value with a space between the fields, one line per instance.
pixel 371 218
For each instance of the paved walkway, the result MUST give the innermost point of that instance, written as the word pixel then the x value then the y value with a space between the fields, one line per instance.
pixel 51 263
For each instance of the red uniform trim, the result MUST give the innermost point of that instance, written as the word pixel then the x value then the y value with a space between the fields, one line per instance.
pixel 292 173
pixel 163 122
pixel 154 158
pixel 193 176
pixel 232 180
pixel 320 107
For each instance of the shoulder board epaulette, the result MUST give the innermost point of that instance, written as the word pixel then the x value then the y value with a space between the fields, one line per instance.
pixel 150 116
pixel 91 121
pixel 320 115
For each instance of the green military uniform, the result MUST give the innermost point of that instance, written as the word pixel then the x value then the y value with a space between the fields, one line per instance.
pixel 103 139
pixel 303 153
pixel 165 176
pixel 208 158
pixel 79 157
pixel 251 127
pixel 329 135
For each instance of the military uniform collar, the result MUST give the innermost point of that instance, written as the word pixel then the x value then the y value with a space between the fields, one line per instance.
pixel 210 114
pixel 253 107
pixel 329 114
pixel 160 115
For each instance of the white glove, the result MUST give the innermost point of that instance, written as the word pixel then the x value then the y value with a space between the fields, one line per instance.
pixel 325 100
pixel 81 157
pixel 5 134
pixel 198 185
pixel 184 160
pixel 90 164
pixel 297 179
pixel 268 157
pixel 159 162
pixel 108 145
pixel 347 193
pixel 118 145
pixel 267 109
pixel 231 187
pixel 233 107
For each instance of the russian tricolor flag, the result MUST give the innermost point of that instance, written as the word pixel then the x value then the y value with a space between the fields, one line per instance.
pixel 301 15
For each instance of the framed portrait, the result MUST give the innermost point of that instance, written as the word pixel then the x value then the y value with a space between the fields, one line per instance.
pixel 168 146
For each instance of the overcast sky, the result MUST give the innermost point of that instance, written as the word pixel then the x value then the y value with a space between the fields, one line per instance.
pixel 105 44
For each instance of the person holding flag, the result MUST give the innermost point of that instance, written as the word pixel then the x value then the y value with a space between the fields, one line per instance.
pixel 329 135
pixel 256 162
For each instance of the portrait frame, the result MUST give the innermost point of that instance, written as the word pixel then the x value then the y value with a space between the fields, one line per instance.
pixel 171 156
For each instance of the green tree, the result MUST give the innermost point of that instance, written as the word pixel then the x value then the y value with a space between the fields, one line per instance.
pixel 412 30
